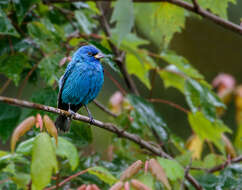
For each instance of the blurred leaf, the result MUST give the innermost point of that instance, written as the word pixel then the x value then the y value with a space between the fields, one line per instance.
pixel 158 172
pixel 149 117
pixel 181 64
pixel 9 116
pixel 199 96
pixel 212 160
pixel 238 138
pixel 43 161
pixel 131 170
pixel 206 129
pixel 67 150
pixel 147 179
pixel 171 77
pixel 21 179
pixel 137 185
pixel 51 129
pixel 83 22
pixel 25 147
pixel 22 7
pixel 216 6
pixel 134 66
pixel 6 28
pixel 21 129
pixel 172 169
pixel 124 17
pixel 12 66
pixel 228 146
pixel 195 145
pixel 103 174
pixel 117 186
pixel 162 22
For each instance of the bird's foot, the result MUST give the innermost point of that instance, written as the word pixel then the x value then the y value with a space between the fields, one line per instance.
pixel 91 120
pixel 72 113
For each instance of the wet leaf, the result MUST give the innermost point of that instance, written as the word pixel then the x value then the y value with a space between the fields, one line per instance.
pixel 21 129
pixel 25 147
pixel 43 161
pixel 149 116
pixel 206 129
pixel 124 17
pixel 67 150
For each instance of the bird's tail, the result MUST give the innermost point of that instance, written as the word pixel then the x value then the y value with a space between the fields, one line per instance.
pixel 63 123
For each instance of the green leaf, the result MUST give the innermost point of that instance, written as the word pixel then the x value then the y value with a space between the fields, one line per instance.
pixel 12 66
pixel 173 169
pixel 134 66
pixel 124 17
pixel 21 179
pixel 217 6
pixel 43 161
pixel 200 97
pixel 25 147
pixel 149 117
pixel 171 77
pixel 103 174
pixel 9 116
pixel 6 28
pixel 147 179
pixel 182 64
pixel 84 22
pixel 162 22
pixel 67 150
pixel 238 138
pixel 206 129
pixel 22 7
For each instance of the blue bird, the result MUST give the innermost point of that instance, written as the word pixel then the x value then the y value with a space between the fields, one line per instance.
pixel 80 84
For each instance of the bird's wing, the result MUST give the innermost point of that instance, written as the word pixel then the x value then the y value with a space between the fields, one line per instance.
pixel 62 81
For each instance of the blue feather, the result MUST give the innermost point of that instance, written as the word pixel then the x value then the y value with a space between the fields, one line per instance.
pixel 81 82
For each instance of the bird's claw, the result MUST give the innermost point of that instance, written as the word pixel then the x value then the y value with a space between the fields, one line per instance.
pixel 72 113
pixel 91 120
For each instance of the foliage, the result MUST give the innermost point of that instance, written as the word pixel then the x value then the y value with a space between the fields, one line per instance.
pixel 36 40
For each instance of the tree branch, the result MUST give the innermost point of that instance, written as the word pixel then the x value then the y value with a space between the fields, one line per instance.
pixel 190 7
pixel 102 107
pixel 107 126
pixel 120 56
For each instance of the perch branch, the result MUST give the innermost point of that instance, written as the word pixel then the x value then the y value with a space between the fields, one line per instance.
pixel 107 126
pixel 188 6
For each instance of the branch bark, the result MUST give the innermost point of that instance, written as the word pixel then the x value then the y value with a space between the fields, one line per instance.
pixel 190 7
pixel 107 126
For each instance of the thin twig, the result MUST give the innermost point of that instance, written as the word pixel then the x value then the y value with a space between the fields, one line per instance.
pixel 119 86
pixel 170 104
pixel 226 163
pixel 103 108
pixel 196 5
pixel 186 172
pixel 152 83
pixel 120 56
pixel 188 6
pixel 5 85
pixel 67 179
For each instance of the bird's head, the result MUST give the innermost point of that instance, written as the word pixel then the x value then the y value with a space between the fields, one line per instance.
pixel 89 53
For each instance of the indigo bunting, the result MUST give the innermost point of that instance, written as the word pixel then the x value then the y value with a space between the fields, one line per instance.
pixel 80 84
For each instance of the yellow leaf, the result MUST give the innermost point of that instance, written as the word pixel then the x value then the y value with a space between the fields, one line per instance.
pixel 195 145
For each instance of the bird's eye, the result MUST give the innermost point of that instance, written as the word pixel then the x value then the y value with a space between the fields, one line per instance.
pixel 90 53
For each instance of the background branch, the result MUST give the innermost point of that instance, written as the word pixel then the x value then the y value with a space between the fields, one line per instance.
pixel 190 7
pixel 107 126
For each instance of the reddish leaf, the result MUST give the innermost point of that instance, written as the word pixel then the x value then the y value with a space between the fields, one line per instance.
pixel 131 170
pixel 138 185
pixel 94 187
pixel 126 186
pixel 21 129
pixel 117 186
pixel 82 187
pixel 50 126
pixel 158 172
pixel 39 122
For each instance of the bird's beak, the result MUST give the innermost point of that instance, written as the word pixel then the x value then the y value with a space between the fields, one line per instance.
pixel 99 56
